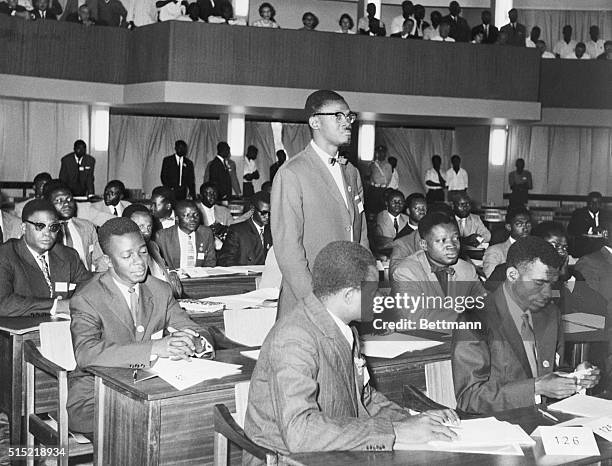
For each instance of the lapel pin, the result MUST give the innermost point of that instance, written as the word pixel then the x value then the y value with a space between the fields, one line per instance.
pixel 140 329
pixel 546 364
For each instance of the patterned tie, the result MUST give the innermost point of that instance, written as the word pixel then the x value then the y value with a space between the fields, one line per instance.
pixel 442 274
pixel 47 275
pixel 115 212
pixel 529 342
pixel 134 304
pixel 261 237
pixel 190 253
pixel 67 236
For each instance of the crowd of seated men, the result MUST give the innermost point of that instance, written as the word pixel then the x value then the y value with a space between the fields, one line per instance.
pixel 411 24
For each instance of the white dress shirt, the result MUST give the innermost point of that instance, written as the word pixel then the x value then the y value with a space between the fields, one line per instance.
pixel 53 309
pixel 344 329
pixel 260 231
pixel 595 217
pixel 77 241
pixel 432 175
pixel 169 221
pixel 141 12
pixel 548 54
pixel 249 167
pixel 126 293
pixel 431 32
pixel 209 215
pixel 334 170
pixel 594 49
pixel 394 183
pixel 529 43
pixel 119 207
pixel 563 48
pixel 456 181
pixel 439 38
pixel 179 162
pixel 183 239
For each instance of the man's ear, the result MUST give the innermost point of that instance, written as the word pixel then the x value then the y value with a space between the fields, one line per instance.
pixel 107 261
pixel 508 227
pixel 512 274
pixel 313 122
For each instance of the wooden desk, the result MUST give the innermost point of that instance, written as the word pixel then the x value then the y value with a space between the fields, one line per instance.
pixel 527 418
pixel 198 288
pixel 151 423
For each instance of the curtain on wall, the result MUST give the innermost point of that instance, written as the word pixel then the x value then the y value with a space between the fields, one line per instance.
pixel 563 160
pixel 552 21
pixel 35 135
pixel 259 134
pixel 295 137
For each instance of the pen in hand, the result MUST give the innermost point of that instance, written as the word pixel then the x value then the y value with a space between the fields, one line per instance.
pixel 547 415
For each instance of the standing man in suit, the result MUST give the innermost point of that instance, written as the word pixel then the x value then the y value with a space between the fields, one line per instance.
pixel 10 226
pixel 435 182
pixel 188 244
pixel 518 223
pixel 113 204
pixel 472 231
pixel 515 31
pixel 77 170
pixel 250 171
pixel 12 8
pixel 509 358
pixel 178 174
pixel 587 221
pixel 248 242
pixel 42 12
pixel 310 389
pixel 520 183
pixel 390 221
pixel 119 320
pixel 218 171
pixel 459 27
pixel 488 31
pixel 316 199
pixel 40 180
pixel 281 156
pixel 37 274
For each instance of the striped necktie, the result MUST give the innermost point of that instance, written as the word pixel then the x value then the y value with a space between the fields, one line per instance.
pixel 134 304
pixel 190 253
pixel 45 270
pixel 529 342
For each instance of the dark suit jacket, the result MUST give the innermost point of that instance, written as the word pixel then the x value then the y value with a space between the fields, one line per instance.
pixel 242 245
pixel 515 36
pixel 273 169
pixel 491 38
pixel 168 242
pixel 306 394
pixel 50 15
pixel 579 224
pixel 170 177
pixel 204 8
pixel 72 8
pixel 104 334
pixel 23 289
pixel 220 175
pixel 459 30
pixel 80 179
pixel 597 271
pixel 491 371
pixel 5 9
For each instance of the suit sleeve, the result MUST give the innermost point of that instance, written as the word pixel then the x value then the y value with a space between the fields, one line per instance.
pixel 482 230
pixel 303 426
pixel 90 179
pixel 287 232
pixel 64 177
pixel 164 174
pixel 491 259
pixel 230 252
pixel 15 304
pixel 176 317
pixel 364 224
pixel 191 181
pixel 378 404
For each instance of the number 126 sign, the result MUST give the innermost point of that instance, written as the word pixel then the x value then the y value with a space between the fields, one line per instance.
pixel 578 441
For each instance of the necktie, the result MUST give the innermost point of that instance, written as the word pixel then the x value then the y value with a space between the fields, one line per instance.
pixel 67 236
pixel 441 180
pixel 529 342
pixel 190 253
pixel 395 225
pixel 1 235
pixel 261 238
pixel 442 274
pixel 134 304
pixel 46 273
pixel 180 164
pixel 462 227
pixel 115 212
pixel 339 160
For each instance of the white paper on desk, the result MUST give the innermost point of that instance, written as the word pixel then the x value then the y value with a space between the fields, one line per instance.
pixel 391 346
pixel 583 405
pixel 246 269
pixel 251 354
pixel 184 374
pixel 504 450
pixel 56 343
pixel 248 327
pixel 578 322
pixel 487 432
pixel 251 299
pixel 203 272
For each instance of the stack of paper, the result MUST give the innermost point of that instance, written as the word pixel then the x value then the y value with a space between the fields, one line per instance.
pixel 184 374
pixel 252 299
pixel 249 327
pixel 584 406
pixel 391 346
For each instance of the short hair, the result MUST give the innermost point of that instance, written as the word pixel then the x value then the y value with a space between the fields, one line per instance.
pixel 310 13
pixel 179 142
pixel 117 226
pixel 528 249
pixel 512 9
pixel 318 99
pixel 267 5
pixel 37 205
pixel 547 229
pixel 44 176
pixel 436 157
pixel 183 204
pixel 222 146
pixel 259 196
pixel 515 212
pixel 164 192
pixel 567 27
pixel 340 265
pixel 536 28
pixel 455 157
pixel 133 208
pixel 407 20
pixel 347 16
pixel 252 150
pixel 390 192
pixel 414 197
pixel 593 194
pixel 209 184
pixel 392 161
pixel 581 45
pixel 52 187
pixel 115 184
pixel 281 151
pixel 79 142
pixel 433 219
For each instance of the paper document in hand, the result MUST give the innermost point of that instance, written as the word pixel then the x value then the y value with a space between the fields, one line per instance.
pixel 583 405
pixel 391 346
pixel 184 374
pixel 487 432
pixel 248 327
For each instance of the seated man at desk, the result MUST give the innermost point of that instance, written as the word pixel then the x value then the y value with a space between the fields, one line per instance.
pixel 472 231
pixel 509 358
pixel 189 243
pixel 310 387
pixel 585 225
pixel 37 274
pixel 391 221
pixel 435 273
pixel 216 217
pixel 416 205
pixel 119 318
pixel 248 242
pixel 113 204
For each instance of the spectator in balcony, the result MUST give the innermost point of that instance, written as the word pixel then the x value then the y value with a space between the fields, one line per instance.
pixel 172 10
pixel 607 55
pixel 227 15
pixel 250 171
pixel 397 25
pixel 534 36
pixel 112 13
pixel 433 30
pixel 12 8
pixel 83 16
pixel 140 13
pixel 71 9
pixel 310 21
pixel 42 12
pixel 477 38
pixel 406 31
pixel 435 181
pixel 579 52
pixel 346 24
pixel 266 14
pixel 541 46
pixel 281 156
pixel 444 33
pixel 515 31
pixel 203 9
pixel 419 22
pixel 459 28
pixel 565 47
pixel 520 179
pixel 370 25
pixel 594 46
pixel 486 29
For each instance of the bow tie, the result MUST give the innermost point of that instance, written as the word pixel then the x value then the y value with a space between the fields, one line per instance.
pixel 449 270
pixel 340 160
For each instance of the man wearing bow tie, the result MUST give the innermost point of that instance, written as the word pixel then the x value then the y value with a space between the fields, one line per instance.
pixel 435 272
pixel 177 172
pixel 316 197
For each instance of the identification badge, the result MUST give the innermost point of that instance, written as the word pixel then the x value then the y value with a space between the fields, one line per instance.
pixel 158 335
pixel 360 207
pixel 81 169
pixel 61 287
pixel 201 256
pixel 578 441
pixel 71 286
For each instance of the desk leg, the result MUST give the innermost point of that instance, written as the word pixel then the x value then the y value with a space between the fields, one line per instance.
pixel 100 408
pixel 18 385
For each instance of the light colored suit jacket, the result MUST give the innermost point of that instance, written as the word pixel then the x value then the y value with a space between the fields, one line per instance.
pixel 385 231
pixel 404 247
pixel 222 215
pixel 413 276
pixel 170 246
pixel 11 226
pixel 99 213
pixel 495 255
pixel 596 268
pixel 104 334
pixel 89 237
pixel 491 371
pixel 473 224
pixel 307 395
pixel 308 213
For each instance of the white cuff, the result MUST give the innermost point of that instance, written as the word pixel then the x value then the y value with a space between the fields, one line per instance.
pixel 53 310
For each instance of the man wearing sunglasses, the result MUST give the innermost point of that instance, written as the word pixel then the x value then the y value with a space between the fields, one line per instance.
pixel 317 197
pixel 38 275
pixel 248 242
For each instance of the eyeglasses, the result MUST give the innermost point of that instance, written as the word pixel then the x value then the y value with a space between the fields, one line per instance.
pixel 263 212
pixel 350 116
pixel 560 247
pixel 62 200
pixel 53 227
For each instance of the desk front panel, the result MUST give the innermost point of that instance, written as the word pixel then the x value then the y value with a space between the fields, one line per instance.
pixel 198 288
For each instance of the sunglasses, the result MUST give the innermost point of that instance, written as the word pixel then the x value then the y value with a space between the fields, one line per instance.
pixel 263 212
pixel 53 227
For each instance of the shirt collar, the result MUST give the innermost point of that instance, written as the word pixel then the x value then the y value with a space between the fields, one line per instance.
pixel 221 158
pixel 259 229
pixel 344 329
pixel 185 235
pixel 125 289
pixel 609 249
pixel 396 217
pixel 321 153
pixel 36 255
pixel 512 240
pixel 515 310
